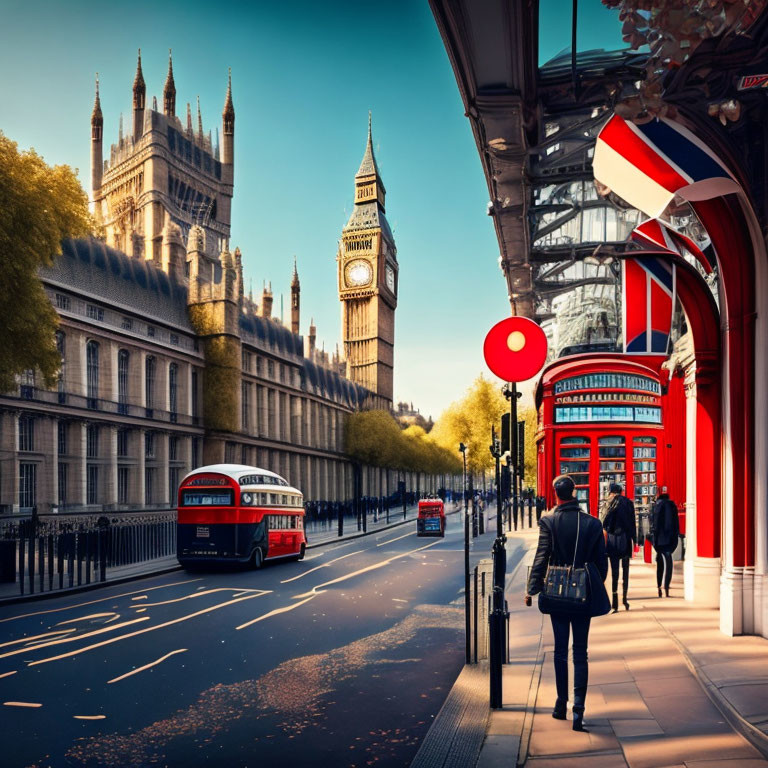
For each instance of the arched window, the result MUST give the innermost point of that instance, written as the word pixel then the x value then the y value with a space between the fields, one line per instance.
pixel 149 383
pixel 123 359
pixel 92 373
pixel 173 387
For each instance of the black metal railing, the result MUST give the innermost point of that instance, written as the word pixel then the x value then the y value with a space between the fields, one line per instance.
pixel 56 551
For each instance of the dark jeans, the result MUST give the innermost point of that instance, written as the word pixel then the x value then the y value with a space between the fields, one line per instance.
pixel 663 568
pixel 615 560
pixel 561 628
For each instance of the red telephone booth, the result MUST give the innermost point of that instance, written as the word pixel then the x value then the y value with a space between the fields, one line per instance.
pixel 602 419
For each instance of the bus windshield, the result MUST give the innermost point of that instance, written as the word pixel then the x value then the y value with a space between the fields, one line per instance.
pixel 207 498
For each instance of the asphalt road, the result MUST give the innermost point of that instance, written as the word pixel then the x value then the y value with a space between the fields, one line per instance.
pixel 343 659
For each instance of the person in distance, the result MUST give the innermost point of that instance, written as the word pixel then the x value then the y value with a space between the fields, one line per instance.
pixel 620 537
pixel 665 535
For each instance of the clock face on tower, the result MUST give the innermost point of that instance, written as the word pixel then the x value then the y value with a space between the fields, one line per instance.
pixel 357 273
pixel 390 278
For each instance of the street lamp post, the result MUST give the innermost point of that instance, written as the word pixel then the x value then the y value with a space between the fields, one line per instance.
pixel 510 392
pixel 496 640
pixel 467 628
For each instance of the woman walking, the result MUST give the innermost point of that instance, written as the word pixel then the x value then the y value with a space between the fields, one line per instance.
pixel 620 537
pixel 665 535
pixel 570 542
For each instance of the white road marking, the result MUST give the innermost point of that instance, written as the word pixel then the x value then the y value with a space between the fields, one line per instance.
pixel 324 565
pixel 146 666
pixel 389 541
pixel 275 612
pixel 83 618
pixel 141 631
pixel 20 704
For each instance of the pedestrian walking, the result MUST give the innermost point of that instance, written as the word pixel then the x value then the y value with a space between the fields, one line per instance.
pixel 665 534
pixel 620 537
pixel 568 572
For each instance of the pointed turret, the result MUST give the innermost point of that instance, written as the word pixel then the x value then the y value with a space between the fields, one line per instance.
pixel 312 339
pixel 266 301
pixel 199 122
pixel 169 91
pixel 97 132
pixel 295 299
pixel 368 183
pixel 190 132
pixel 120 130
pixel 228 126
pixel 139 99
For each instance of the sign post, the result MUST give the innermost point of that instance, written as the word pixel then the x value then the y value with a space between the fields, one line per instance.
pixel 515 350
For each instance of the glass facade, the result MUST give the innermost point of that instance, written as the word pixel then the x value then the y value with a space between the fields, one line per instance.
pixel 607 381
pixel 591 413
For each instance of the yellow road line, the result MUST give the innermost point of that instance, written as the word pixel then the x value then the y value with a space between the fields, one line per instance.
pixel 71 639
pixel 317 567
pixel 204 592
pixel 275 612
pixel 83 618
pixel 57 633
pixel 389 541
pixel 90 717
pixel 146 666
pixel 100 600
pixel 20 704
pixel 373 567
pixel 140 631
pixel 8 674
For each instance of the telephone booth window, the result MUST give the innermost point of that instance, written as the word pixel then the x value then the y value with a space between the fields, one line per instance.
pixel 574 460
pixel 644 471
pixel 613 469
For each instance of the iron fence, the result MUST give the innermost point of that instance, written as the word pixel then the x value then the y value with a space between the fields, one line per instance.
pixel 55 551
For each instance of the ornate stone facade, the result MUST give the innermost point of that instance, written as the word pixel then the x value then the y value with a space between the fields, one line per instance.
pixel 368 285
pixel 166 363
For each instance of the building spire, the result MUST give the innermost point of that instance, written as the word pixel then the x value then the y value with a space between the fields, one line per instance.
pixel 295 280
pixel 189 120
pixel 368 166
pixel 139 87
pixel 199 121
pixel 229 109
pixel 228 127
pixel 97 119
pixel 169 90
pixel 139 100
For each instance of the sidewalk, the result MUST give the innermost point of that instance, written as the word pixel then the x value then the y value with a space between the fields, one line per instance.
pixel 666 688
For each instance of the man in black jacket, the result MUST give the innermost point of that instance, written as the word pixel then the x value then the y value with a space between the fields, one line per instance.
pixel 621 535
pixel 569 537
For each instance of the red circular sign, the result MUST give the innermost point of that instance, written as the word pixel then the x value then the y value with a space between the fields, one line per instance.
pixel 515 349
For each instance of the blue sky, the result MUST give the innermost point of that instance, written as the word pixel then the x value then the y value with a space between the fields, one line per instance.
pixel 304 76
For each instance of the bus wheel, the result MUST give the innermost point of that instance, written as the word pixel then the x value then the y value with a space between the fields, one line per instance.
pixel 300 556
pixel 257 559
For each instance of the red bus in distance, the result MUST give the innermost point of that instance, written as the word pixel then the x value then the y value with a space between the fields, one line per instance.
pixel 231 513
pixel 431 519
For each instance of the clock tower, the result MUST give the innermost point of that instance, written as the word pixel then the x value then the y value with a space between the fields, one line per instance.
pixel 367 274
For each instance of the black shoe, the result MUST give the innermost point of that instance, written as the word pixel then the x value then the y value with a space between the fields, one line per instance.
pixel 626 604
pixel 560 710
pixel 578 721
pixel 615 602
pixel 659 591
pixel 666 591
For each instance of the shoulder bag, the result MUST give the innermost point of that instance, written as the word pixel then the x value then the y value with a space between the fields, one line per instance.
pixel 565 586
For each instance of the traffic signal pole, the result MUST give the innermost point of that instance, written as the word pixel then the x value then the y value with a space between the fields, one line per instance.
pixel 496 620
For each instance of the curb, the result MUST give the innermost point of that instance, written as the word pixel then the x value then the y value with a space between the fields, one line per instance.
pixel 757 738
pixel 30 598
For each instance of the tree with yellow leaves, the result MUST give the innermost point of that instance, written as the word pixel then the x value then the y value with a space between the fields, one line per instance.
pixel 39 207
pixel 469 421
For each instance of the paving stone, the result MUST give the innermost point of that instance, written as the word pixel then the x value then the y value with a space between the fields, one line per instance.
pixel 580 761
pixel 626 728
pixel 655 752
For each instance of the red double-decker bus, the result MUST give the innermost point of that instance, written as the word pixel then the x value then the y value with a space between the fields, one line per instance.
pixel 236 513
pixel 431 519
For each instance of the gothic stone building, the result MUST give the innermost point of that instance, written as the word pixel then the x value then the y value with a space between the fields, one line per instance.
pixel 167 365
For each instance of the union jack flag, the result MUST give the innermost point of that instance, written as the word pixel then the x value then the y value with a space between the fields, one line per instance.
pixel 657 234
pixel 648 290
pixel 648 164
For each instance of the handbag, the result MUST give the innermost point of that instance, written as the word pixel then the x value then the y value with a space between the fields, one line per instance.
pixel 616 543
pixel 566 586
